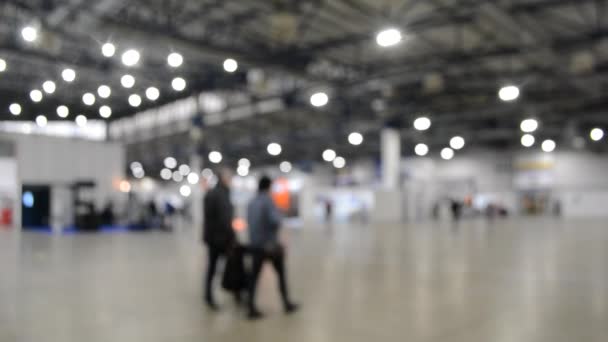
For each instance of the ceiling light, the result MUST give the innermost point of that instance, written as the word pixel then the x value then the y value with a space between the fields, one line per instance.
pixel 285 167
pixel 63 111
pixel 152 93
pixel 388 37
pixel 105 112
pixel 177 176
pixel 166 174
pixel 597 134
pixel 421 150
pixel 41 121
pixel 170 163
pixel 2 65
pixel 104 91
pixel 68 75
pixel 422 123
pixel 88 99
pixel 508 93
pixel 108 49
pixel 274 149
pixel 184 169
pixel 242 171
pixel 207 173
pixel 329 155
pixel 130 57
pixel 81 120
pixel 185 190
pixel 36 95
pixel 15 109
pixel 339 162
pixel 49 87
pixel 127 81
pixel 528 125
pixel 193 178
pixel 447 153
pixel 319 99
pixel 134 100
pixel 175 59
pixel 528 140
pixel 230 65
pixel 457 143
pixel 29 34
pixel 178 84
pixel 548 145
pixel 136 165
pixel 215 157
pixel 138 173
pixel 244 162
pixel 355 138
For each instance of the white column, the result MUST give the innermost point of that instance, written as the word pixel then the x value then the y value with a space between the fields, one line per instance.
pixel 196 165
pixel 390 148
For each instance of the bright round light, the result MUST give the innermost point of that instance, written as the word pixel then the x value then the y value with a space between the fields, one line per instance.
pixel 457 143
pixel 447 153
pixel 355 138
pixel 274 149
pixel 178 84
pixel 49 87
pixel 184 169
pixel 388 37
pixel 193 178
pixel 130 57
pixel 242 171
pixel 2 65
pixel 528 125
pixel 152 93
pixel 88 99
pixel 136 165
pixel 244 162
pixel 508 93
pixel 68 75
pixel 422 123
pixel 15 108
pixel 41 121
pixel 177 176
pixel 127 81
pixel 319 99
pixel 230 65
pixel 597 134
pixel 421 150
pixel 166 174
pixel 63 111
pixel 215 157
pixel 138 173
pixel 105 112
pixel 329 155
pixel 339 162
pixel 36 95
pixel 285 167
pixel 207 173
pixel 81 120
pixel 528 140
pixel 104 91
pixel 124 186
pixel 185 190
pixel 29 34
pixel 134 100
pixel 170 163
pixel 548 145
pixel 175 59
pixel 108 49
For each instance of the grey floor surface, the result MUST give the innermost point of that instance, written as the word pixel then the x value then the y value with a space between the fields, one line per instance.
pixel 515 280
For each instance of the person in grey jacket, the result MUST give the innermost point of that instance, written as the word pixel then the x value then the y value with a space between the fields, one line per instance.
pixel 264 223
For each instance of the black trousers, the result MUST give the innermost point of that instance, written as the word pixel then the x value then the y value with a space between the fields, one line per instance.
pixel 215 253
pixel 277 259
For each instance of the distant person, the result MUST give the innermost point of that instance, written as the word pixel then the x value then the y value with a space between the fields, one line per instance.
pixel 264 224
pixel 217 233
pixel 456 207
pixel 329 208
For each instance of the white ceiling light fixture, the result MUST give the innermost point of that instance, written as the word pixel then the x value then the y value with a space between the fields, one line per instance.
pixel 244 162
pixel 36 95
pixel 29 34
pixel 104 91
pixel 68 75
pixel 285 167
pixel 389 37
pixel 178 84
pixel 508 93
pixel 185 190
pixel 175 60
pixel 134 100
pixel 528 125
pixel 63 111
pixel 2 65
pixel 136 165
pixel 422 123
pixel 215 157
pixel 88 99
pixel 596 134
pixel 457 143
pixel 329 155
pixel 242 171
pixel 130 57
pixel 274 149
pixel 152 93
pixel 421 150
pixel 319 99
pixel 339 163
pixel 108 50
pixel 184 169
pixel 166 174
pixel 207 173
pixel 49 87
pixel 15 109
pixel 548 145
pixel 355 138
pixel 231 65
pixel 193 178
pixel 41 121
pixel 105 112
pixel 447 153
pixel 528 140
pixel 81 120
pixel 170 163
pixel 127 81
pixel 177 177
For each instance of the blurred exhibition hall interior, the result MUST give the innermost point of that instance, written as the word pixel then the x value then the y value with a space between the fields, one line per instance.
pixel 303 170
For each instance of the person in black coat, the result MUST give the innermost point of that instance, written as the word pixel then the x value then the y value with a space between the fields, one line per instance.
pixel 218 235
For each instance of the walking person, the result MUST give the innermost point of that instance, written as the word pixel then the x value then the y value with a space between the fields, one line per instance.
pixel 264 224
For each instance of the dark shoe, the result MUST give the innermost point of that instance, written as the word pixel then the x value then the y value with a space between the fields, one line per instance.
pixel 291 308
pixel 254 315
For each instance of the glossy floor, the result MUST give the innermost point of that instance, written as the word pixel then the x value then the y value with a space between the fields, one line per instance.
pixel 516 280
